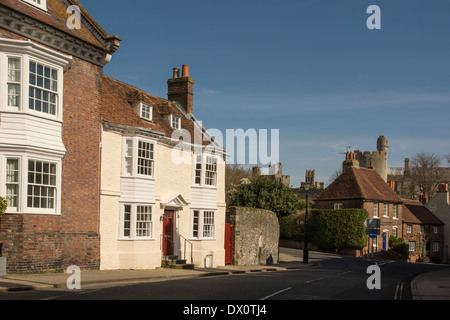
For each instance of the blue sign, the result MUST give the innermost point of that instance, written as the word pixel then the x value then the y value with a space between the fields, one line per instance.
pixel 373 234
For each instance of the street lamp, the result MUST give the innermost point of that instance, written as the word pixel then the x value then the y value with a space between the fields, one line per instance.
pixel 305 248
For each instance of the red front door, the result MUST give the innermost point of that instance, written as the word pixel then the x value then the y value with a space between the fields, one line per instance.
pixel 228 244
pixel 168 227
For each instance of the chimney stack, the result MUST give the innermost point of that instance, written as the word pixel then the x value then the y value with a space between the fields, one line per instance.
pixel 181 89
pixel 350 161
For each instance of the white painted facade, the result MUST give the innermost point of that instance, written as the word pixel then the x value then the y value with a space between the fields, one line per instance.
pixel 126 194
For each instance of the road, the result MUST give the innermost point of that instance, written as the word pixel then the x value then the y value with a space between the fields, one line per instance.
pixel 337 277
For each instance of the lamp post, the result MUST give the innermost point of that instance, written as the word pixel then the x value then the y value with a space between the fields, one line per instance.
pixel 305 248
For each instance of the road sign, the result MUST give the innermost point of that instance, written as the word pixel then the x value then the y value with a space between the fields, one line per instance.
pixel 373 234
pixel 373 223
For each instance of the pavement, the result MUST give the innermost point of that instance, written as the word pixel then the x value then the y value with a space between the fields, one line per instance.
pixel 428 286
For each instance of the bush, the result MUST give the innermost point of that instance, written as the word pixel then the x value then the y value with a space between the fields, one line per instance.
pixel 290 229
pixel 399 246
pixel 268 195
pixel 338 229
pixel 3 205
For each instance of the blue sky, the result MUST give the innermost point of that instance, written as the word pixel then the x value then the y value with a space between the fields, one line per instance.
pixel 310 68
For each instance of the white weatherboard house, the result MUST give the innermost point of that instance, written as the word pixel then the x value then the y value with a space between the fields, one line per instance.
pixel 153 205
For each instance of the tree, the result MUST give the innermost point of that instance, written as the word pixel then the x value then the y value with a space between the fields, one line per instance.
pixel 235 174
pixel 3 205
pixel 424 176
pixel 267 194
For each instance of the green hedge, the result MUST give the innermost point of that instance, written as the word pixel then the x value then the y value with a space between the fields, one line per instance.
pixel 328 229
pixel 338 229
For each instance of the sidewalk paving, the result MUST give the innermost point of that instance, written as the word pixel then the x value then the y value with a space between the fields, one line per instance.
pixel 428 286
pixel 47 281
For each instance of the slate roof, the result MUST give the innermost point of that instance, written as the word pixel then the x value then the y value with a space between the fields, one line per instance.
pixel 359 183
pixel 415 212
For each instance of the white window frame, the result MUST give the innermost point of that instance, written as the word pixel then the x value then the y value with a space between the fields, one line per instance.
pixel 385 210
pixel 23 184
pixel 134 222
pixel 175 122
pixel 432 207
pixel 203 224
pixel 375 210
pixel 202 173
pixel 41 4
pixel 395 211
pixel 338 206
pixel 435 229
pixel 409 228
pixel 146 111
pixel 412 246
pixel 22 50
pixel 132 163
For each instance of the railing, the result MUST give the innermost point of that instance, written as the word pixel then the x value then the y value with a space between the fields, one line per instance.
pixel 186 241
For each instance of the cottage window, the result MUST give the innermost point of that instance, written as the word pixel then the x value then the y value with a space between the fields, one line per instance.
pixel 436 246
pixel 41 184
pixel 137 222
pixel 412 246
pixel 30 185
pixel 139 158
pixel 385 210
pixel 145 158
pixel 409 228
pixel 175 122
pixel 210 171
pixel 43 93
pixel 338 206
pixel 205 171
pixel 435 230
pixel 146 111
pixel 375 209
pixel 395 211
pixel 203 224
pixel 433 207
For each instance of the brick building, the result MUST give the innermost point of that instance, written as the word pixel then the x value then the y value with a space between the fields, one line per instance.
pixel 50 134
pixel 423 232
pixel 363 188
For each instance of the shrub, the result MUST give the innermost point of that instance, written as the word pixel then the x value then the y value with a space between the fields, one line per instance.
pixel 338 229
pixel 398 245
pixel 3 205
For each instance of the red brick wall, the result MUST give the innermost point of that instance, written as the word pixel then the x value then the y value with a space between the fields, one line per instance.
pixel 81 166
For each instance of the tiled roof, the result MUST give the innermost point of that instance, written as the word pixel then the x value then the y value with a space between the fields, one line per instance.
pixel 359 183
pixel 415 212
pixel 117 108
pixel 56 16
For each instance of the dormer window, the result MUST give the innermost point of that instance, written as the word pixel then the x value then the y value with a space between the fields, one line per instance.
pixel 175 122
pixel 41 4
pixel 146 111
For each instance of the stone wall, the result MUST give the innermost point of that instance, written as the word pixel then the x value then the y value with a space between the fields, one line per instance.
pixel 256 236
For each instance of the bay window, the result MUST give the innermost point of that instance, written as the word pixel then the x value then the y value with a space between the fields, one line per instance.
pixel 30 185
pixel 13 82
pixel 205 171
pixel 137 222
pixel 139 158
